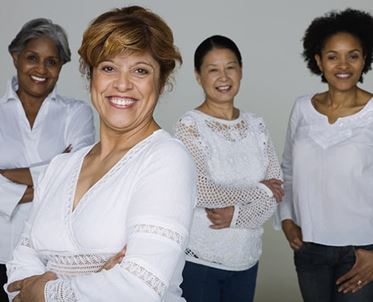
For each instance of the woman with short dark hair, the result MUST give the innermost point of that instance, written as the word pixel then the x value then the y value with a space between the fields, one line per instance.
pixel 328 164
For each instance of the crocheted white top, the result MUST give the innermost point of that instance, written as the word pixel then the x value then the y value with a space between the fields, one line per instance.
pixel 231 157
pixel 144 202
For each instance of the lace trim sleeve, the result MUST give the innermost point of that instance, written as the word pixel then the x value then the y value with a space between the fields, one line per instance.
pixel 59 291
pixel 259 211
pixel 209 193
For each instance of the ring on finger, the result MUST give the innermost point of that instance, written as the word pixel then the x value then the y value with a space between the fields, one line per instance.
pixel 359 283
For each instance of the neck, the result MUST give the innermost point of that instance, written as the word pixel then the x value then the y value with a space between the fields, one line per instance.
pixel 224 111
pixel 113 141
pixel 342 98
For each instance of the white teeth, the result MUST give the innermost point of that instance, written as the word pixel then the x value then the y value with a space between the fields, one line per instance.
pixel 122 102
pixel 35 78
pixel 223 88
pixel 343 75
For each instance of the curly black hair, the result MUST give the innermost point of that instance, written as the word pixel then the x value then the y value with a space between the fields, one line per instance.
pixel 355 22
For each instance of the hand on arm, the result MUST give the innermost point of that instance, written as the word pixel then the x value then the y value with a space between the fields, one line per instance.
pixel 28 196
pixel 220 217
pixel 116 259
pixel 18 175
pixel 293 234
pixel 31 289
pixel 275 185
pixel 359 275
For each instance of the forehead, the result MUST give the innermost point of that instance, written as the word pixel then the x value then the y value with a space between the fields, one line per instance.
pixel 218 55
pixel 342 40
pixel 133 57
pixel 42 44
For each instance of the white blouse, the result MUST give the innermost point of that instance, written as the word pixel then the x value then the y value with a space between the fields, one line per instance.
pixel 60 122
pixel 232 157
pixel 328 171
pixel 145 201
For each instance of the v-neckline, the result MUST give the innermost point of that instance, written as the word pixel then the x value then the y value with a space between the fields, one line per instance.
pixel 112 170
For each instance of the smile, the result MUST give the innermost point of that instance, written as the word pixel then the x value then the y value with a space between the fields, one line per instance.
pixel 121 102
pixel 38 79
pixel 224 88
pixel 343 75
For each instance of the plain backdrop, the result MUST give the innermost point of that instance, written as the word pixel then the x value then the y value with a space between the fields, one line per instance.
pixel 269 35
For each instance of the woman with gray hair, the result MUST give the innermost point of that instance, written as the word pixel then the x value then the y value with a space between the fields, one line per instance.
pixel 36 124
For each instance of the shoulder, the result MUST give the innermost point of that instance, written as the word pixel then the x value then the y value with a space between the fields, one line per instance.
pixel 189 118
pixel 254 120
pixel 73 104
pixel 167 147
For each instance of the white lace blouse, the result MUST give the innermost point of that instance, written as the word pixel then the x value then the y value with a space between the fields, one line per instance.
pixel 145 202
pixel 232 157
pixel 328 171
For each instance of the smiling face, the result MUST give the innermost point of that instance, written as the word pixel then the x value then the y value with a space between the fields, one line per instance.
pixel 341 61
pixel 220 75
pixel 125 91
pixel 38 67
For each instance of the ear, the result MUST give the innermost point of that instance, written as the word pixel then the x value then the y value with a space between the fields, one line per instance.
pixel 318 61
pixel 15 58
pixel 198 77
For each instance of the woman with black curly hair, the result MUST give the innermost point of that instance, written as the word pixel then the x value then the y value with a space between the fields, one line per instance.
pixel 327 213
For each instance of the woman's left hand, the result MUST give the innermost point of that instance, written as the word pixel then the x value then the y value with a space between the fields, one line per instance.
pixel 359 275
pixel 31 289
pixel 220 217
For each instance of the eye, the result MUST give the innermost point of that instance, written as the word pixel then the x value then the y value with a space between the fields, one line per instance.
pixel 107 68
pixel 213 70
pixel 141 71
pixel 51 62
pixel 331 57
pixel 31 58
pixel 353 56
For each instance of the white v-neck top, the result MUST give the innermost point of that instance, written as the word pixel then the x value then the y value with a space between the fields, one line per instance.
pixel 145 201
pixel 61 121
pixel 328 173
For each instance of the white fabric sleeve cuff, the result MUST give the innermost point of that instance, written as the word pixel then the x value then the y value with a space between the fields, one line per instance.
pixel 266 189
pixel 235 215
pixel 35 172
pixel 11 193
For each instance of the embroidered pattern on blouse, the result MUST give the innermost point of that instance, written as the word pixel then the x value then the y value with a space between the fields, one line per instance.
pixel 231 133
pixel 25 241
pixel 59 291
pixel 162 231
pixel 256 206
pixel 69 266
pixel 146 276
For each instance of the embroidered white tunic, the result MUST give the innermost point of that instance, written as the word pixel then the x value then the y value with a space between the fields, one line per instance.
pixel 60 122
pixel 328 172
pixel 232 157
pixel 145 202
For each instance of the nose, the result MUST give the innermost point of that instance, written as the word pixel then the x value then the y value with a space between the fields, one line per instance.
pixel 41 68
pixel 343 63
pixel 223 74
pixel 122 82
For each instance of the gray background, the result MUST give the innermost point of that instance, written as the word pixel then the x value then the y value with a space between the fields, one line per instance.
pixel 268 34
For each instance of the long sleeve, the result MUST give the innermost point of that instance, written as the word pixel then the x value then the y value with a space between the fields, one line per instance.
pixel 158 221
pixel 25 262
pixel 259 211
pixel 10 193
pixel 79 132
pixel 250 200
pixel 285 209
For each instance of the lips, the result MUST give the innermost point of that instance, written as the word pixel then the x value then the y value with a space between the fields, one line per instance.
pixel 38 79
pixel 224 88
pixel 343 75
pixel 121 102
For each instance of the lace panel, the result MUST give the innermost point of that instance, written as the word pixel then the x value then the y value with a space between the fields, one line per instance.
pixel 59 291
pixel 256 205
pixel 161 231
pixel 69 266
pixel 151 280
